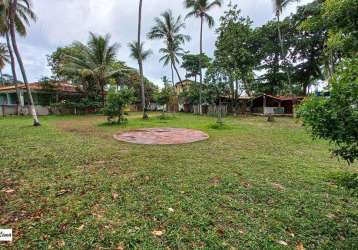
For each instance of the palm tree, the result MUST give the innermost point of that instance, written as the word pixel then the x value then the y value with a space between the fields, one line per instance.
pixel 20 13
pixel 171 55
pixel 139 53
pixel 279 6
pixel 4 59
pixel 135 51
pixel 200 9
pixel 15 15
pixel 168 28
pixel 140 59
pixel 94 61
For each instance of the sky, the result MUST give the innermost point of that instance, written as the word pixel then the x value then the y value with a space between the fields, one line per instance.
pixel 60 22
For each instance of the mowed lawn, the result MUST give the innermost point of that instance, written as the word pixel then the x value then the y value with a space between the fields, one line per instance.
pixel 253 185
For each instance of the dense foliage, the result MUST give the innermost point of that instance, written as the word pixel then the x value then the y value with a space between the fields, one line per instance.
pixel 336 118
pixel 117 100
pixel 60 60
pixel 192 64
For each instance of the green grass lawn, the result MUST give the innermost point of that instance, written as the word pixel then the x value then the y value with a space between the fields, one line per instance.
pixel 253 185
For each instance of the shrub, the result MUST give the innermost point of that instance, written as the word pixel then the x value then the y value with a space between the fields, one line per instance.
pixel 336 118
pixel 116 102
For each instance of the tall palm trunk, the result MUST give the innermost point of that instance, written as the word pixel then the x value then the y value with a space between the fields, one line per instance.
pixel 13 70
pixel 21 64
pixel 201 72
pixel 282 52
pixel 171 66
pixel 174 93
pixel 140 60
pixel 176 70
pixel 2 79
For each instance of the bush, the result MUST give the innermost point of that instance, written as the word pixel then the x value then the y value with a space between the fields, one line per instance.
pixel 81 106
pixel 116 102
pixel 336 118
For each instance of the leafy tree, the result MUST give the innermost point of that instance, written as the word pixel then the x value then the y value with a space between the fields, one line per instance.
pixel 235 53
pixel 307 47
pixel 116 102
pixel 279 5
pixel 191 63
pixel 164 96
pixel 15 15
pixel 169 29
pixel 93 62
pixel 200 9
pixel 336 118
pixel 272 79
pixel 131 78
pixel 59 58
pixel 339 18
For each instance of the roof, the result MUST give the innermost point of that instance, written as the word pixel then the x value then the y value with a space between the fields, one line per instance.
pixel 38 86
pixel 282 98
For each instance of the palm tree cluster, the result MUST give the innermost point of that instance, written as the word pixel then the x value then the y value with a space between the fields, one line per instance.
pixel 95 60
pixel 169 28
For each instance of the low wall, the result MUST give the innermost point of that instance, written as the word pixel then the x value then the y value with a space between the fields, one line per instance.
pixel 12 110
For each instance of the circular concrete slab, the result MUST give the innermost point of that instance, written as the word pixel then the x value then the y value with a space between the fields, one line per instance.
pixel 161 136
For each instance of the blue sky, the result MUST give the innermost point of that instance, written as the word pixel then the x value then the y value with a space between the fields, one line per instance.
pixel 61 22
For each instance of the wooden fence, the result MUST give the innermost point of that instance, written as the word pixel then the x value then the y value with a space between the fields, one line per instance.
pixel 212 110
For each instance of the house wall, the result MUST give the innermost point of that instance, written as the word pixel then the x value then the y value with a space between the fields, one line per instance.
pixel 274 110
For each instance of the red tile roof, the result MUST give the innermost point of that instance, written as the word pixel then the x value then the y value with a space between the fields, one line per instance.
pixel 37 86
pixel 283 98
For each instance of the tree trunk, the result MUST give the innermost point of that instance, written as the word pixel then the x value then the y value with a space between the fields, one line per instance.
pixel 236 96
pixel 2 79
pixel 103 95
pixel 176 70
pixel 201 72
pixel 21 64
pixel 13 70
pixel 282 53
pixel 171 67
pixel 140 61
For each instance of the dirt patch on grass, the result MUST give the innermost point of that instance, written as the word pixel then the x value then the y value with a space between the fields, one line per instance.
pixel 162 136
pixel 88 126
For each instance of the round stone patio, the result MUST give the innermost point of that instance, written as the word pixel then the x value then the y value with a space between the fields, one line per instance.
pixel 161 136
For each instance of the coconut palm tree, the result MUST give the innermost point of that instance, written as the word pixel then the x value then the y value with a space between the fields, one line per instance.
pixel 22 15
pixel 95 61
pixel 4 59
pixel 140 59
pixel 140 54
pixel 279 6
pixel 22 9
pixel 135 51
pixel 171 55
pixel 200 9
pixel 168 28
